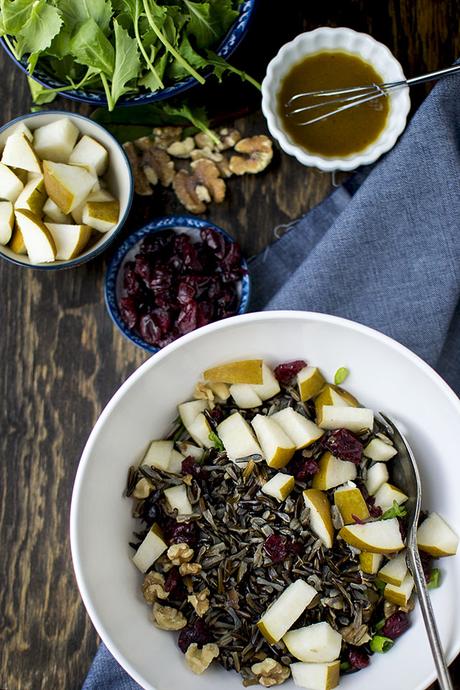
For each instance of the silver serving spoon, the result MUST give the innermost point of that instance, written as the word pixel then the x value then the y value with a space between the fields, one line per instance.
pixel 406 477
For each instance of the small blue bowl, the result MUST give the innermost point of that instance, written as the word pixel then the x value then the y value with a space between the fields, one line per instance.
pixel 97 98
pixel 113 278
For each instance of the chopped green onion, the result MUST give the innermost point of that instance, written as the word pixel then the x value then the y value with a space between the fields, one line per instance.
pixel 380 584
pixel 381 644
pixel 340 375
pixel 395 511
pixel 435 579
pixel 345 666
pixel 216 440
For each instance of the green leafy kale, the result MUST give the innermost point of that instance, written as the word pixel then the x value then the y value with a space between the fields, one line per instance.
pixel 120 46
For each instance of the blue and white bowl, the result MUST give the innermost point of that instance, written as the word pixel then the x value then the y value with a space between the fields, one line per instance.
pixel 114 276
pixel 97 98
pixel 119 180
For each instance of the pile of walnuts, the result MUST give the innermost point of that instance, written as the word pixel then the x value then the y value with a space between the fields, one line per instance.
pixel 196 167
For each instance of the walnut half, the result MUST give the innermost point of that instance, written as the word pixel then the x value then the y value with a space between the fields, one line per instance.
pixel 200 601
pixel 180 553
pixel 197 659
pixel 270 672
pixel 153 587
pixel 198 188
pixel 259 152
pixel 168 618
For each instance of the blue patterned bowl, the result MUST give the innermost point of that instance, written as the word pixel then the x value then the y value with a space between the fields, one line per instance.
pixel 126 252
pixel 97 98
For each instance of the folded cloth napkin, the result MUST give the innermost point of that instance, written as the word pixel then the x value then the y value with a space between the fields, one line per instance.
pixel 384 251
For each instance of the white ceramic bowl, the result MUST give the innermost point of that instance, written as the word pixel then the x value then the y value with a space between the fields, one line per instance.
pixel 384 375
pixel 347 40
pixel 118 176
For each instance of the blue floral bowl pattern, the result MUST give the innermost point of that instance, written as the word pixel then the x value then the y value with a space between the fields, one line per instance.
pixel 113 278
pixel 97 98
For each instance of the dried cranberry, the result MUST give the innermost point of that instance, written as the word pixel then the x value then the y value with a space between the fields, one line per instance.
pixel 187 319
pixel 129 311
pixel 214 241
pixel 149 329
pixel 232 259
pixel 159 278
pixel 181 532
pixel 344 445
pixel 396 625
pixel 402 528
pixel 286 371
pixel 191 466
pixel 205 313
pixel 278 548
pixel 174 584
pixel 374 511
pixel 187 251
pixel 162 318
pixel 197 633
pixel 357 519
pixel 185 293
pixel 303 468
pixel 358 658
pixel 163 298
pixel 143 268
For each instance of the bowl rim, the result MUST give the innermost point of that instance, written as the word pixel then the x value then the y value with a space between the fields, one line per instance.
pixel 72 263
pixel 329 164
pixel 158 225
pixel 228 45
pixel 153 361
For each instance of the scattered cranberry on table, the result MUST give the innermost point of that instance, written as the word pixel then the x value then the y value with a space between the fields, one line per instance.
pixel 175 284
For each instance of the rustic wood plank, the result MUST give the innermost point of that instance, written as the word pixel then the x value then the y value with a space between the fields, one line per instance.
pixel 62 359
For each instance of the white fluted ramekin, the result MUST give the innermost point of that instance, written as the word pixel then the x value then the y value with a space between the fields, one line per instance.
pixel 344 39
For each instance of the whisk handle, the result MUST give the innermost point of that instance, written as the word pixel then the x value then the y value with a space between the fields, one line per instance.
pixel 433 75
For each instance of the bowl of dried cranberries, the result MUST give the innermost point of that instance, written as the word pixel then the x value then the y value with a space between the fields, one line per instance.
pixel 174 275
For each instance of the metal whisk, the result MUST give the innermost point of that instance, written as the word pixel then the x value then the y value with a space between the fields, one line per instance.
pixel 354 95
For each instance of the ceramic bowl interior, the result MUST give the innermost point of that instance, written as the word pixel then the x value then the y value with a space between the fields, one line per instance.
pixel 349 41
pixel 97 98
pixel 114 278
pixel 119 180
pixel 384 375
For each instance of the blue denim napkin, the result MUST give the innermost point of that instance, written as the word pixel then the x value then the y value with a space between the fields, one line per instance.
pixel 384 250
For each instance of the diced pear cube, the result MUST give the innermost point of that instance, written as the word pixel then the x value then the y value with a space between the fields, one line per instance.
pixel 395 570
pixel 6 221
pixel 32 197
pixel 237 437
pixel 101 215
pixel 189 411
pixel 320 515
pixel 199 430
pixel 317 643
pixel 381 536
pixel 188 449
pixel 379 451
pixel 91 154
pixel 158 454
pixel 285 610
pixel 434 536
pixel 10 184
pixel 316 676
pixel 400 595
pixel 70 240
pixel 178 499
pixel 269 386
pixel 18 153
pixel 333 472
pixel 18 128
pixel 355 419
pixel 17 244
pixel 387 494
pixel 67 185
pixel 244 396
pixel 150 549
pixel 175 462
pixel 370 562
pixel 351 504
pixel 279 486
pixel 277 447
pixel 54 142
pixel 310 382
pixel 376 476
pixel 243 371
pixel 300 430
pixel 39 242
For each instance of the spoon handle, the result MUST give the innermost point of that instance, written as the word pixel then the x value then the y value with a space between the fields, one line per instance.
pixel 416 568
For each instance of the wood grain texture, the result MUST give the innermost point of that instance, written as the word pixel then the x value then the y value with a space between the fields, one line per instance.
pixel 62 359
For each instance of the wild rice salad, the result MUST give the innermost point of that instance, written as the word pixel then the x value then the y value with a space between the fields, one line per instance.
pixel 270 537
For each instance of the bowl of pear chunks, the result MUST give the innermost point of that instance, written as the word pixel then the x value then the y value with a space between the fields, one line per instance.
pixel 65 190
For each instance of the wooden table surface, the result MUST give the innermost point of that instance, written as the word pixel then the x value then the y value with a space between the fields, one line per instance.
pixel 62 359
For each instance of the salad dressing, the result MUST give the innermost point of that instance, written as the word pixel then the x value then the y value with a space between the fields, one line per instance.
pixel 347 132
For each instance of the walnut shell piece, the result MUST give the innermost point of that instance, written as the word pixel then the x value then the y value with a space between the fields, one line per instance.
pixel 270 672
pixel 180 553
pixel 168 618
pixel 153 587
pixel 259 150
pixel 194 190
pixel 197 659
